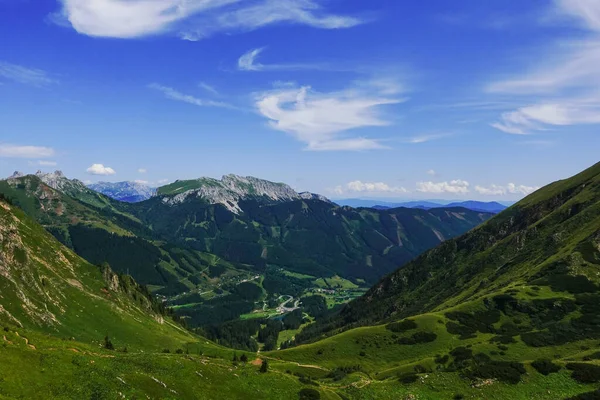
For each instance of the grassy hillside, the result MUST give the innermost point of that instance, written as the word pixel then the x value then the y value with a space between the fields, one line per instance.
pixel 56 311
pixel 308 237
pixel 95 228
pixel 551 238
pixel 510 310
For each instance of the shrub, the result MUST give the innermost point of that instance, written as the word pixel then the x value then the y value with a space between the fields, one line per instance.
pixel 264 367
pixel 309 394
pixel 108 344
pixel 402 326
pixel 505 339
pixel 585 373
pixel 504 371
pixel 595 395
pixel 545 367
pixel 458 396
pixel 461 354
pixel 418 338
pixel 442 359
pixel 408 378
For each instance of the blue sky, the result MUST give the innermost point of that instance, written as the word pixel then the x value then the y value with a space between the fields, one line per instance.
pixel 348 98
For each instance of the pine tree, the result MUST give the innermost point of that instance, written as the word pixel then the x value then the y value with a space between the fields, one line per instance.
pixel 108 344
pixel 264 367
pixel 244 358
pixel 235 357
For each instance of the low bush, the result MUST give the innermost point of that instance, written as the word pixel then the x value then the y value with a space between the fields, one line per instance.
pixel 595 395
pixel 309 394
pixel 584 373
pixel 408 378
pixel 504 371
pixel 545 367
pixel 418 338
pixel 402 326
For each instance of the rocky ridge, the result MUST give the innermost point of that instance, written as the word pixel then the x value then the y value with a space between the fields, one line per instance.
pixel 232 189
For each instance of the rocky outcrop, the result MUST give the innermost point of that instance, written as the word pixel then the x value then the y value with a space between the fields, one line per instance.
pixel 130 192
pixel 232 189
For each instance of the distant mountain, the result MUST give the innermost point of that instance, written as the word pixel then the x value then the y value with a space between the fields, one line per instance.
pixel 547 243
pixel 491 207
pixel 129 192
pixel 170 240
pixel 229 191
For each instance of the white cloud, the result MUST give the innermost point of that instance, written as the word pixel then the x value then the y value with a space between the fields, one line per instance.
pixel 43 163
pixel 191 19
pixel 432 172
pixel 321 120
pixel 511 188
pixel 27 76
pixel 208 88
pixel 99 169
pixel 162 181
pixel 173 94
pixel 367 187
pixel 142 170
pixel 567 83
pixel 141 182
pixel 249 62
pixel 455 187
pixel 586 11
pixel 427 138
pixel 14 151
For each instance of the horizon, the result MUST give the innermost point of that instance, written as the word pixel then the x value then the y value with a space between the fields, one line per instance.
pixel 276 93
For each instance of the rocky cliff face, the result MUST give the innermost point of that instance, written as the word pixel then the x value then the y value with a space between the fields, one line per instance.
pixel 57 180
pixel 230 190
pixel 130 192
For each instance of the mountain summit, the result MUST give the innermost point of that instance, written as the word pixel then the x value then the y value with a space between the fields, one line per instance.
pixel 229 191
pixel 129 192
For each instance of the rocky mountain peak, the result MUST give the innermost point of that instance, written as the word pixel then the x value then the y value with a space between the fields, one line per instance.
pixel 16 175
pixel 230 190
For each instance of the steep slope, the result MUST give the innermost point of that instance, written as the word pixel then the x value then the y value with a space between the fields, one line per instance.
pixel 95 228
pixel 551 238
pixel 48 288
pixel 306 236
pixel 71 330
pixel 129 192
pixel 228 191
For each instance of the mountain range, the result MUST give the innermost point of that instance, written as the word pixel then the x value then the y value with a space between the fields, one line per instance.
pixel 129 192
pixel 206 235
pixel 507 310
pixel 491 207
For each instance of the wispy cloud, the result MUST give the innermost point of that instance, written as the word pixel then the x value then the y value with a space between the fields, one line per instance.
pixel 100 169
pixel 249 62
pixel 457 186
pixel 43 163
pixel 511 188
pixel 322 120
pixel 367 187
pixel 173 94
pixel 210 89
pixel 192 19
pixel 567 84
pixel 427 137
pixel 25 75
pixel 16 151
pixel 142 170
